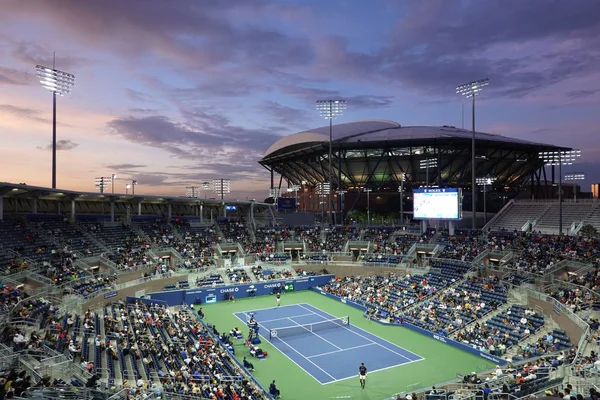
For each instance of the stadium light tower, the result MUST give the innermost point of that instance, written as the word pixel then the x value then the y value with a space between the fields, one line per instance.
pixel 192 192
pixel 113 177
pixel 222 187
pixel 426 164
pixel 401 190
pixel 575 176
pixel 472 89
pixel 205 187
pixel 368 190
pixel 294 188
pixel 330 109
pixel 127 187
pixel 323 189
pixel 101 183
pixel 485 181
pixel 560 158
pixel 134 183
pixel 59 83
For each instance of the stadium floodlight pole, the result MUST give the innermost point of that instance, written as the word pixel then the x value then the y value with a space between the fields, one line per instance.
pixel 485 181
pixel 205 187
pixel 192 192
pixel 368 190
pixel 294 188
pixel 472 89
pixel 222 186
pixel 101 182
pixel 560 158
pixel 341 193
pixel 330 109
pixel 323 189
pixel 59 83
pixel 401 190
pixel 133 185
pixel 127 187
pixel 426 164
pixel 575 176
pixel 112 182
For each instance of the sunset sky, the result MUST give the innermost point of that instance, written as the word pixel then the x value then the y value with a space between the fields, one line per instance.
pixel 172 93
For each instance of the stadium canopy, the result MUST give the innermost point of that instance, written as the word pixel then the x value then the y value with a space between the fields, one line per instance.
pixel 376 154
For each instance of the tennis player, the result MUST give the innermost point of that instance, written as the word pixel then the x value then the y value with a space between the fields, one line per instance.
pixel 362 375
pixel 278 299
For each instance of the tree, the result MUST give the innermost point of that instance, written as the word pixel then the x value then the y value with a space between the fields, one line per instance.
pixel 589 231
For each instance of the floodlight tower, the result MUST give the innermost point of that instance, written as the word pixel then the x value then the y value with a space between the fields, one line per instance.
pixel 127 187
pixel 472 89
pixel 426 164
pixel 222 186
pixel 205 187
pixel 112 182
pixel 559 158
pixel 59 83
pixel 368 190
pixel 485 181
pixel 294 188
pixel 133 185
pixel 192 192
pixel 331 109
pixel 574 177
pixel 401 190
pixel 323 188
pixel 101 182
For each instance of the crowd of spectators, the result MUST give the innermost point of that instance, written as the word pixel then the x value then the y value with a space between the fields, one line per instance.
pixel 267 239
pixel 262 274
pixel 459 305
pixel 236 231
pixel 170 351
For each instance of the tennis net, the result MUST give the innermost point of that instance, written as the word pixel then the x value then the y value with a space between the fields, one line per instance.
pixel 295 330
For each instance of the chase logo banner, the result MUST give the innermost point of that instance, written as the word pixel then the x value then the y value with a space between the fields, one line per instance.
pixel 286 203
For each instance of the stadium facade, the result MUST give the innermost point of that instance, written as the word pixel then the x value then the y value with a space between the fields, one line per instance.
pixel 377 154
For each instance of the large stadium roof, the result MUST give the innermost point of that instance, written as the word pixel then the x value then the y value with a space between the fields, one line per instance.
pixel 380 130
pixel 378 153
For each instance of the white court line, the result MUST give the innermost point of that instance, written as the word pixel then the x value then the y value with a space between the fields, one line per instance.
pixel 341 350
pixel 371 340
pixel 372 372
pixel 279 319
pixel 288 357
pixel 269 308
pixel 317 335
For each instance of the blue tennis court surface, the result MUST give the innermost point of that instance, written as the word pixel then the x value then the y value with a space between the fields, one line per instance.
pixel 330 353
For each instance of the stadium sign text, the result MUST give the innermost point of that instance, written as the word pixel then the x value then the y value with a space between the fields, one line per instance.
pixel 272 285
pixel 440 338
pixel 229 290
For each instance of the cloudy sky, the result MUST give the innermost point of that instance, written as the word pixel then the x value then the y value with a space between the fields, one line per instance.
pixel 172 93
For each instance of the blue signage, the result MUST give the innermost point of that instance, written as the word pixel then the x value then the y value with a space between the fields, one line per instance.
pixel 110 294
pixel 286 203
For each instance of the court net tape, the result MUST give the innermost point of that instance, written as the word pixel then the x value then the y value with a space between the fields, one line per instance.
pixel 308 328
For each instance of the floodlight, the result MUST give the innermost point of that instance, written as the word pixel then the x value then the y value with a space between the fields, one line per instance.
pixel 59 83
pixel 192 192
pixel 560 158
pixel 102 182
pixel 330 109
pixel 574 177
pixel 222 186
pixel 485 181
pixel 471 90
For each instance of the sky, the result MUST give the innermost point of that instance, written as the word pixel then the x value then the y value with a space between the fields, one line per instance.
pixel 173 93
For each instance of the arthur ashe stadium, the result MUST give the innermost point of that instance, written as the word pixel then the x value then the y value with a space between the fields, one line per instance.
pixel 129 296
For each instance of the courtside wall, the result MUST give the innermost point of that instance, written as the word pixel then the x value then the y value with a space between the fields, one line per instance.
pixel 200 295
pixel 422 331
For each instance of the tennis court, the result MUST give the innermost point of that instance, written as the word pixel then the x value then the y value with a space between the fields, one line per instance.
pixel 328 348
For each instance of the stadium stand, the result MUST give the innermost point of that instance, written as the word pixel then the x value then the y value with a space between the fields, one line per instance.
pixel 149 349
